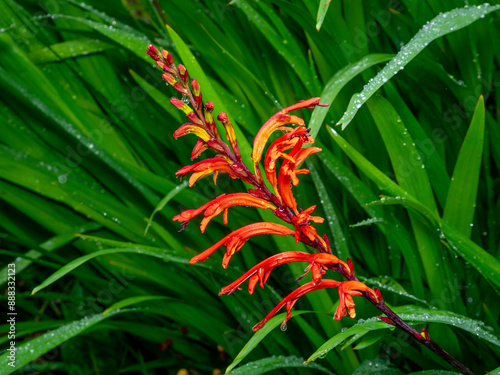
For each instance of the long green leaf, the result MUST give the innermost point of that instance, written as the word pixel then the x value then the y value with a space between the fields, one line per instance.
pixel 461 200
pixel 443 24
pixel 27 351
pixel 265 365
pixel 259 336
pixel 337 82
pixel 165 254
pixel 412 315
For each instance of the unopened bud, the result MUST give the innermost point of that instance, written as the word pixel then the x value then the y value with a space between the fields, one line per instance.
pixel 181 105
pixel 153 50
pixel 183 90
pixel 195 86
pixel 194 119
pixel 169 79
pixel 183 73
pixel 168 57
pixel 164 67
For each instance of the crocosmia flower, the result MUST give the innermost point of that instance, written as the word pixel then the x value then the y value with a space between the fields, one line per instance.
pixel 281 168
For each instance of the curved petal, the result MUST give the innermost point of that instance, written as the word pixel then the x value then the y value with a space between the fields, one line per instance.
pixel 290 300
pixel 236 239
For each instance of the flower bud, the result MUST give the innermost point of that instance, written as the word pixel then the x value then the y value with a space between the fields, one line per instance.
pixel 209 118
pixel 194 119
pixel 169 79
pixel 164 67
pixel 181 105
pixel 195 86
pixel 168 57
pixel 183 90
pixel 183 73
pixel 153 50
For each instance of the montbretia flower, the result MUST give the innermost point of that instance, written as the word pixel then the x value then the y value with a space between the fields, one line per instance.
pixel 302 226
pixel 221 204
pixel 347 289
pixel 288 174
pixel 215 165
pixel 298 136
pixel 277 121
pixel 236 239
pixel 194 129
pixel 318 263
pixel 290 300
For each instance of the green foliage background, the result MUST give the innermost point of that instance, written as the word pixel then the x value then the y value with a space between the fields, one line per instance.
pixel 86 148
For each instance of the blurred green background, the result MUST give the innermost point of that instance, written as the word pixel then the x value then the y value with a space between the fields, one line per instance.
pixel 86 148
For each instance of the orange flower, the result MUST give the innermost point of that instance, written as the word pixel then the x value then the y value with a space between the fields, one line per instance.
pixel 221 204
pixel 302 226
pixel 199 147
pixel 292 298
pixel 318 263
pixel 275 122
pixel 236 239
pixel 192 128
pixel 347 289
pixel 207 166
pixel 297 136
pixel 288 174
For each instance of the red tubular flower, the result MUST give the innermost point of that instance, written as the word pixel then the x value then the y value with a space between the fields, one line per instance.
pixel 347 289
pixel 292 298
pixel 192 128
pixel 179 104
pixel 221 204
pixel 318 262
pixel 277 121
pixel 199 147
pixel 236 239
pixel 288 174
pixel 298 136
pixel 205 167
pixel 231 136
pixel 271 125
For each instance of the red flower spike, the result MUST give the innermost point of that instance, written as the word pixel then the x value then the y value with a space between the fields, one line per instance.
pixel 205 167
pixel 236 239
pixel 261 271
pixel 168 57
pixel 292 298
pixel 231 136
pixel 221 204
pixel 192 128
pixel 179 104
pixel 169 79
pixel 183 73
pixel 347 289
